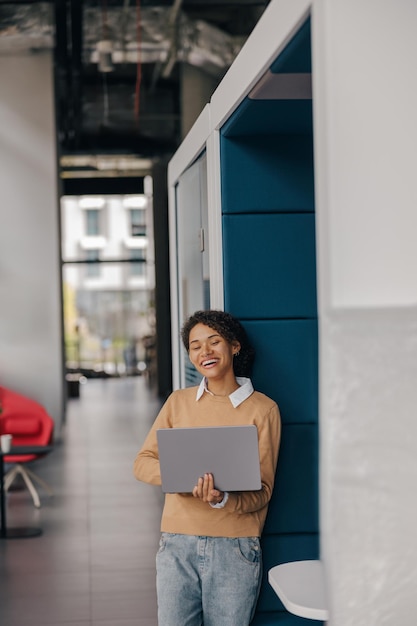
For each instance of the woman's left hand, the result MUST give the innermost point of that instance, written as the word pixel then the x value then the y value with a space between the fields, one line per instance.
pixel 206 491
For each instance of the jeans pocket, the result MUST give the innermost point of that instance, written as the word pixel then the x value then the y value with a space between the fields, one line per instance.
pixel 162 543
pixel 249 549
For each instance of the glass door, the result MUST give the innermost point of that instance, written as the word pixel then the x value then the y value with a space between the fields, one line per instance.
pixel 192 252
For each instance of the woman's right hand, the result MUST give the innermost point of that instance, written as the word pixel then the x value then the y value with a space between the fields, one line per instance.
pixel 206 491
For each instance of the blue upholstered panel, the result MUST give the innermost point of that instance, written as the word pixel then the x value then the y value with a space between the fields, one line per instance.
pixel 278 116
pixel 281 618
pixel 282 549
pixel 265 117
pixel 286 365
pixel 296 56
pixel 270 265
pixel 294 504
pixel 267 174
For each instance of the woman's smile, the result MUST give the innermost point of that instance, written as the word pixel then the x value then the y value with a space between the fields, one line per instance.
pixel 209 363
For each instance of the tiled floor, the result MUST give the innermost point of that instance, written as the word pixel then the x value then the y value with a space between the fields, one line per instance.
pixel 94 564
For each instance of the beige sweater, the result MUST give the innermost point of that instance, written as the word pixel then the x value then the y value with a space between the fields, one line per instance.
pixel 245 512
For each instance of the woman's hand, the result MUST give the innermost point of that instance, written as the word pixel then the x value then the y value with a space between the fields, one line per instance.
pixel 206 491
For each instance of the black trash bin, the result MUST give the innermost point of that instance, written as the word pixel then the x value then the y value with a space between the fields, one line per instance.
pixel 73 385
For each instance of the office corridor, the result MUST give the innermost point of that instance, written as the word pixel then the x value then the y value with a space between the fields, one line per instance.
pixel 94 563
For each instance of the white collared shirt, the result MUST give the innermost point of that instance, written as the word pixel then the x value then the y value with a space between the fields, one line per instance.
pixel 243 392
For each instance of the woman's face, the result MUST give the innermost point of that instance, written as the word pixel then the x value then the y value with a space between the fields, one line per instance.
pixel 210 353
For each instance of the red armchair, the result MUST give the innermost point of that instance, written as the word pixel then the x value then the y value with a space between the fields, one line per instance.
pixel 30 425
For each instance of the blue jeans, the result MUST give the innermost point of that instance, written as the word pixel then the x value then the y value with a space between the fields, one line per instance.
pixel 210 581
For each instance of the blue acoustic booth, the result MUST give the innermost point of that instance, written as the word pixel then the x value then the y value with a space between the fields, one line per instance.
pixel 257 173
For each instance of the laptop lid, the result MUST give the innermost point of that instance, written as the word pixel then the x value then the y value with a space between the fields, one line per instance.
pixel 230 453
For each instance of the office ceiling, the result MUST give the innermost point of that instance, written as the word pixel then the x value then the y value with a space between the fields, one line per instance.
pixel 119 63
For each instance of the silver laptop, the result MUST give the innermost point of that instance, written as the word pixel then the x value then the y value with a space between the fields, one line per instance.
pixel 230 453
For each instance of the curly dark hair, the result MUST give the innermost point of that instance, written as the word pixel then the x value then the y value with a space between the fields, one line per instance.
pixel 230 329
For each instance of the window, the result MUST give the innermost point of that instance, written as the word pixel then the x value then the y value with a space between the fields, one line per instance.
pixel 92 218
pixel 93 267
pixel 138 265
pixel 138 222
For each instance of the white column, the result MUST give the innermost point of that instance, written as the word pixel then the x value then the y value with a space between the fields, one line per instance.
pixel 30 291
pixel 365 133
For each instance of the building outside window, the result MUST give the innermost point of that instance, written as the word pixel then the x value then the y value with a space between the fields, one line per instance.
pixel 92 266
pixel 138 222
pixel 108 305
pixel 92 219
pixel 138 264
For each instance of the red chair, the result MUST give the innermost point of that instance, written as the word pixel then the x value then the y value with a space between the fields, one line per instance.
pixel 30 425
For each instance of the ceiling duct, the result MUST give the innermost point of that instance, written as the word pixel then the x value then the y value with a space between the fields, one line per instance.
pixel 30 27
pixel 195 42
pixel 26 27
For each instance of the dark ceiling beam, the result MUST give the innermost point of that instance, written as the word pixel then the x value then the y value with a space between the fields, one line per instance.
pixel 62 69
pixel 68 69
pixel 76 15
pixel 106 186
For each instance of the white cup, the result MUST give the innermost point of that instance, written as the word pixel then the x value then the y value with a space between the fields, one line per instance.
pixel 6 442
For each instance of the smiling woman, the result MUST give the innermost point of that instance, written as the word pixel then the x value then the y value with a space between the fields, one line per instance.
pixel 209 563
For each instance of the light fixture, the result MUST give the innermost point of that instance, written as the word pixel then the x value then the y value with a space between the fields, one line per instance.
pixel 105 55
pixel 135 202
pixel 91 202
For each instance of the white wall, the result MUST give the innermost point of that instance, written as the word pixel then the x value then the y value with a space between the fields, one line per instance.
pixel 30 317
pixel 365 99
pixel 370 94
